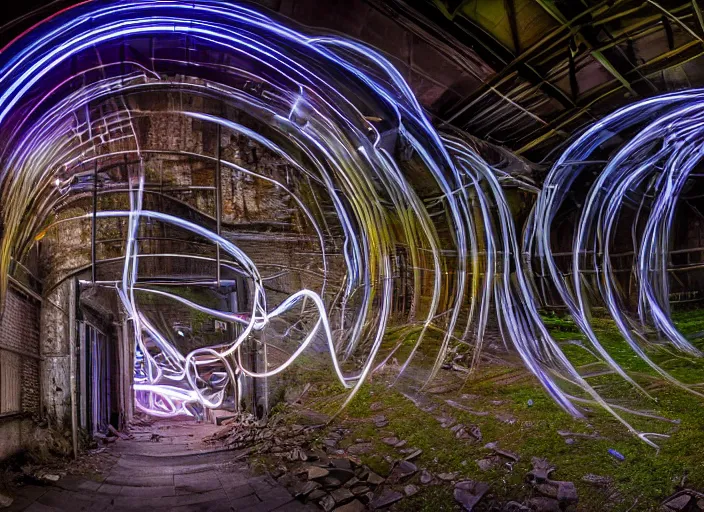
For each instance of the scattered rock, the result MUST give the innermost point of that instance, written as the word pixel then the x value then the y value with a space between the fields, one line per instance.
pixel 410 489
pixel 327 503
pixel 342 464
pixel 684 500
pixel 488 463
pixel 541 504
pixel 316 495
pixel 445 421
pixel 569 441
pixel 414 454
pixel 461 432
pixel 374 479
pixel 376 406
pixel 475 432
pixel 303 489
pixel 566 492
pixel 278 471
pixel 352 482
pixel 400 444
pixel 386 499
pixel 541 470
pixel 360 448
pixel 360 490
pixel 330 483
pixel 315 472
pixel 318 456
pixel 402 470
pixel 448 477
pixel 505 418
pixel 297 454
pixel 679 502
pixel 426 477
pixel 380 421
pixel 503 453
pixel 5 501
pixel 353 506
pixel 547 489
pixel 341 474
pixel 391 441
pixel 342 496
pixel 469 492
pixel 599 481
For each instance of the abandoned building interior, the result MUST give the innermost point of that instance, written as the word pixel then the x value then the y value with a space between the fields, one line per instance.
pixel 352 255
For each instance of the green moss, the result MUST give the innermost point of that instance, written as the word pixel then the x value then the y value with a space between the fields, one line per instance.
pixel 429 499
pixel 503 391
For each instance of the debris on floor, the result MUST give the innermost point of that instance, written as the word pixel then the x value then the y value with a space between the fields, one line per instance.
pixel 5 501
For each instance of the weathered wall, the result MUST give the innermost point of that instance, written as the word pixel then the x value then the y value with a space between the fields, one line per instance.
pixel 19 371
pixel 55 341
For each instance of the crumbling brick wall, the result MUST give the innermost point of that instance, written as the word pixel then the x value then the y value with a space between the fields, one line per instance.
pixel 19 364
pixel 19 331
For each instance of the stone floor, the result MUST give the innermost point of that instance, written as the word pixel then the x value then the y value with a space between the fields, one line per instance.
pixel 177 473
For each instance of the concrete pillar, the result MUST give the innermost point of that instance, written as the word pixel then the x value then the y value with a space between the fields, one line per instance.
pixel 125 354
pixel 55 339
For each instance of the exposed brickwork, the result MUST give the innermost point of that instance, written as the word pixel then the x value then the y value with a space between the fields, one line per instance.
pixel 30 385
pixel 19 330
pixel 19 325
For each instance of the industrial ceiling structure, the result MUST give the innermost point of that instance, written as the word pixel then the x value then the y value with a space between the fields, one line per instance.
pixel 221 179
pixel 524 74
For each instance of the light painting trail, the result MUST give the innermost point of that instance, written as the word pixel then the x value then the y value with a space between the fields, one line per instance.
pixel 348 125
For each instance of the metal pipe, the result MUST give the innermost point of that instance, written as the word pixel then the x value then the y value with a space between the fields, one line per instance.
pixel 73 304
pixel 218 202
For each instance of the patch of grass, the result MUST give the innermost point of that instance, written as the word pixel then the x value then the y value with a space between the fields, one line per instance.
pixel 435 498
pixel 503 392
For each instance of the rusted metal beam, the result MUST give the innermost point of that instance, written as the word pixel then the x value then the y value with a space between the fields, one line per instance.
pixel 510 7
pixel 698 12
pixel 590 40
pixel 465 34
pixel 684 53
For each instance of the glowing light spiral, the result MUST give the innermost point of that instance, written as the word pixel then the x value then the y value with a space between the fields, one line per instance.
pixel 344 119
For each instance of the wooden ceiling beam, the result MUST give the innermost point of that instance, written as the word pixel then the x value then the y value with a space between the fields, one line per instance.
pixel 676 57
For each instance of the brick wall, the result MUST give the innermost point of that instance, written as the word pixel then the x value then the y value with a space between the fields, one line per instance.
pixel 20 323
pixel 19 330
pixel 30 386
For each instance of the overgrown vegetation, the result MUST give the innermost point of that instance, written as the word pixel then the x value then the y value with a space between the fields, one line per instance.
pixel 511 408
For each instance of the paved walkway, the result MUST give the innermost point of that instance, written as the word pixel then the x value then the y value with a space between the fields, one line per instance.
pixel 177 473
